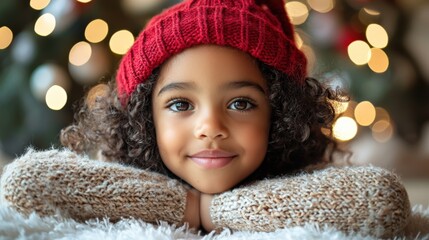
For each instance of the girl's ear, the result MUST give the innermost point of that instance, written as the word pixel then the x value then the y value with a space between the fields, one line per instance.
pixel 95 94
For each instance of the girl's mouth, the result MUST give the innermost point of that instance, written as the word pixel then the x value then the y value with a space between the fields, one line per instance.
pixel 212 158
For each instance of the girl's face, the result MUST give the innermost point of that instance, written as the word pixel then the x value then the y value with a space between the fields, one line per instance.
pixel 212 116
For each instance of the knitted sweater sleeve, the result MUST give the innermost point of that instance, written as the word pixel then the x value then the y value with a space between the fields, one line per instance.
pixel 51 181
pixel 368 200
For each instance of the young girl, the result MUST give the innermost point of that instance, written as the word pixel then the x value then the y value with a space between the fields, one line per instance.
pixel 210 118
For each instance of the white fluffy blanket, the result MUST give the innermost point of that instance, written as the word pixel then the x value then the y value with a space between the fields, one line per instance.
pixel 16 226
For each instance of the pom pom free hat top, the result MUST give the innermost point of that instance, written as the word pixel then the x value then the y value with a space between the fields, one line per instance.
pixel 259 28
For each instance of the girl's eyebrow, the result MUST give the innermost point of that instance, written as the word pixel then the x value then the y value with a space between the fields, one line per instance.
pixel 245 83
pixel 176 86
pixel 231 85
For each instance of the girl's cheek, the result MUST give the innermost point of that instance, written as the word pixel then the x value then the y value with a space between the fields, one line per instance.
pixel 171 130
pixel 171 134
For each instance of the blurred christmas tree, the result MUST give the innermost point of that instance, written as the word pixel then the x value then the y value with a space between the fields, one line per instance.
pixel 66 43
pixel 51 50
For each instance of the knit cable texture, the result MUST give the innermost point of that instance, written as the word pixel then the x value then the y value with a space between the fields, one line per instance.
pixel 368 200
pixel 61 181
pixel 263 32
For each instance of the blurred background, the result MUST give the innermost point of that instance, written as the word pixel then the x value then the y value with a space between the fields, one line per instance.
pixel 51 51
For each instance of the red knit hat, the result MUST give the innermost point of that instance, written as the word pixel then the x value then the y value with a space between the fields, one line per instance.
pixel 260 28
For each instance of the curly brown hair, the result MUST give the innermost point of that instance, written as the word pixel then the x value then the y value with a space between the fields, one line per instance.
pixel 126 133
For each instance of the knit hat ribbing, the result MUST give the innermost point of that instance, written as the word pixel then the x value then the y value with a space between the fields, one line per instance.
pixel 261 29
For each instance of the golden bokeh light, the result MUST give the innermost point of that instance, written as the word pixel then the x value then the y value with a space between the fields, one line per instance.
pixel 344 129
pixel 298 40
pixel 364 113
pixel 382 114
pixel 382 131
pixel 96 31
pixel 84 1
pixel 322 6
pixel 367 16
pixel 39 4
pixel 376 36
pixel 359 52
pixel 6 37
pixel 339 107
pixel 45 24
pixel 371 12
pixel 310 55
pixel 56 97
pixel 349 112
pixel 379 61
pixel 298 12
pixel 121 41
pixel 80 53
pixel 380 126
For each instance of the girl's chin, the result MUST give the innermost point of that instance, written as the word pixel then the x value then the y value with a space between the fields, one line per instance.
pixel 213 188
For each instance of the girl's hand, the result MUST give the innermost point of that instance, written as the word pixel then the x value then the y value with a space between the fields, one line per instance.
pixel 192 211
pixel 206 221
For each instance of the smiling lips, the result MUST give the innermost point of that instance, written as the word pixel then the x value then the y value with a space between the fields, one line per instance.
pixel 212 158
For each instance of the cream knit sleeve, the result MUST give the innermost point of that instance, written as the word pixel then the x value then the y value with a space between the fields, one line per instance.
pixel 369 200
pixel 51 181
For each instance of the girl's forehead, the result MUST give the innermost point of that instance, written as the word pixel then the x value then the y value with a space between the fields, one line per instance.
pixel 210 60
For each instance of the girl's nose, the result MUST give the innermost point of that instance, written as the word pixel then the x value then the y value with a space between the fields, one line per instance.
pixel 211 125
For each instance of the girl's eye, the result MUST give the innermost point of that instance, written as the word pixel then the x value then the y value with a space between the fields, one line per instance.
pixel 180 106
pixel 241 105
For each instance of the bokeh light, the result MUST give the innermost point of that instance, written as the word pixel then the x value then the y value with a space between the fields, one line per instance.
pixel 56 97
pixel 371 11
pixel 344 129
pixel 45 76
pixel 376 36
pixel 24 48
pixel 84 1
pixel 382 131
pixel 382 114
pixel 80 53
pixel 298 12
pixel 310 55
pixel 359 52
pixel 121 41
pixel 139 7
pixel 380 126
pixel 39 4
pixel 45 24
pixel 96 31
pixel 338 106
pixel 349 112
pixel 298 40
pixel 322 6
pixel 368 15
pixel 364 113
pixel 65 13
pixel 94 69
pixel 379 61
pixel 6 37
